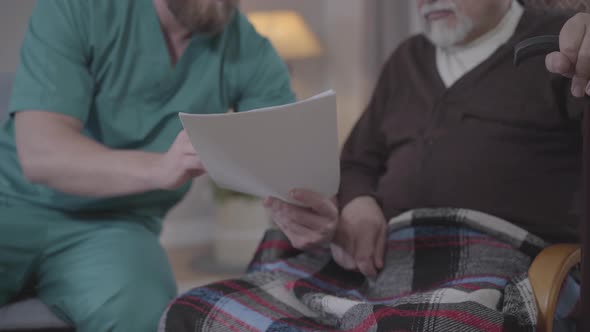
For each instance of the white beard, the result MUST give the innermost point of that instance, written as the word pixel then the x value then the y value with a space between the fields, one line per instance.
pixel 439 33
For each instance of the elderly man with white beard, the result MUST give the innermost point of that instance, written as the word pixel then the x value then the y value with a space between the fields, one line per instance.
pixel 453 124
pixel 93 155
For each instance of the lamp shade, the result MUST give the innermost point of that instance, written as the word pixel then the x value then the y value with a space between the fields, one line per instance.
pixel 288 33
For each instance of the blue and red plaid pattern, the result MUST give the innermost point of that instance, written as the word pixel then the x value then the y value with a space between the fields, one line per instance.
pixel 446 270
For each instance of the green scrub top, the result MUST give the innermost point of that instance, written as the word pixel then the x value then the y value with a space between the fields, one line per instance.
pixel 106 63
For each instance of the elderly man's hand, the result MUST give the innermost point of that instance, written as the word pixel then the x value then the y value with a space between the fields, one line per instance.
pixel 361 237
pixel 312 225
pixel 573 60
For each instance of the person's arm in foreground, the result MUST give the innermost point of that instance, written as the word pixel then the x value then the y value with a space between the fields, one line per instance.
pixel 53 152
pixel 51 101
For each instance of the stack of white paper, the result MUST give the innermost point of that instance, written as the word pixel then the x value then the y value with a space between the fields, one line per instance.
pixel 270 151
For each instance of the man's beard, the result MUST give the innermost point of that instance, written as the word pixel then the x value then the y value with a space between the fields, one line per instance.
pixel 439 32
pixel 203 16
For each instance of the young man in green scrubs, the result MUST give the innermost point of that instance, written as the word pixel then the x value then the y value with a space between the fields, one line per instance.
pixel 93 154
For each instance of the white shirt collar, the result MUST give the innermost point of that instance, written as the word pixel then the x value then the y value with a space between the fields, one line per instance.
pixel 454 62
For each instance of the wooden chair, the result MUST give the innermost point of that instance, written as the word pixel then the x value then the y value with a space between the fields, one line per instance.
pixel 547 275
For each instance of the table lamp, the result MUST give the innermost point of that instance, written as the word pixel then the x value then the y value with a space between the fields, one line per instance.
pixel 288 33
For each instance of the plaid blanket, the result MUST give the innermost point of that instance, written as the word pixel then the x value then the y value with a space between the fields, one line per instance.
pixel 445 270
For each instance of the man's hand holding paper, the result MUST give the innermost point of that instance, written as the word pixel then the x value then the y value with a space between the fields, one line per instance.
pixel 310 224
pixel 271 151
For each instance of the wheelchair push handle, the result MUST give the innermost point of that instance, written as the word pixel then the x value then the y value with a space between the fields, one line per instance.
pixel 535 46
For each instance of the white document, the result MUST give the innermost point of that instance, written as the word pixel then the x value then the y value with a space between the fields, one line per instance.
pixel 270 151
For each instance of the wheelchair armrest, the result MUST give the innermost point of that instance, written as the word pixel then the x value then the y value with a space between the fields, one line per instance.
pixel 547 275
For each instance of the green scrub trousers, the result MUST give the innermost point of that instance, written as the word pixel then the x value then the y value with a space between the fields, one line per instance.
pixel 98 274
